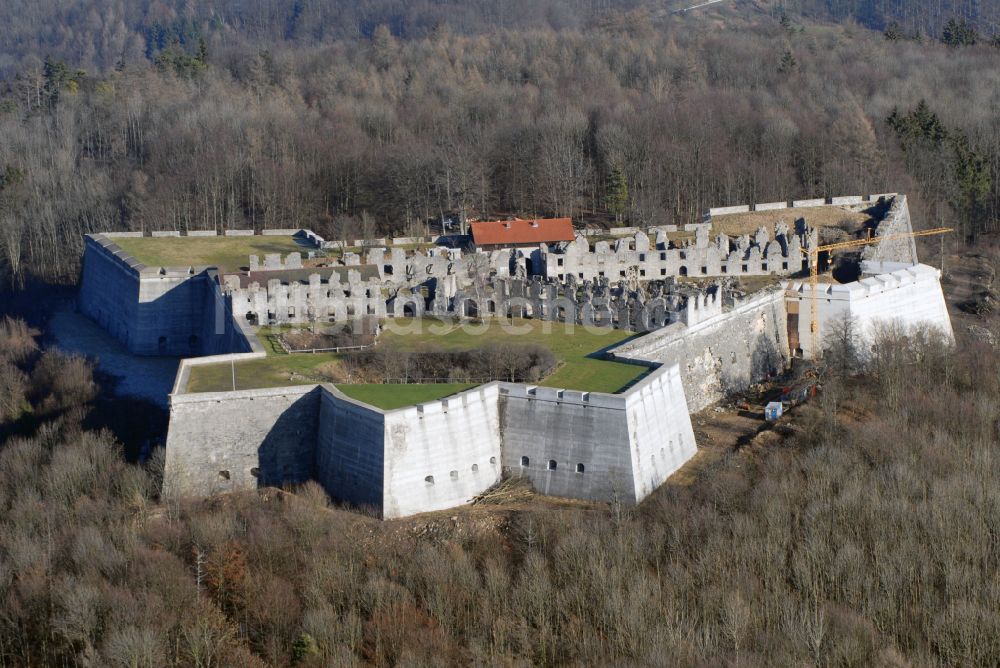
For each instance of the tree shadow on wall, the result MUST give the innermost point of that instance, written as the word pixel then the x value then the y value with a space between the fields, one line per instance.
pixel 737 373
pixel 766 360
pixel 287 454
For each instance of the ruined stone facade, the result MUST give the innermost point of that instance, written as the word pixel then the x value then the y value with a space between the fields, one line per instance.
pixel 776 251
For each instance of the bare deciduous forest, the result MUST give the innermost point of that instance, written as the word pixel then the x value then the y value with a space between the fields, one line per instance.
pixel 861 532
pixel 620 116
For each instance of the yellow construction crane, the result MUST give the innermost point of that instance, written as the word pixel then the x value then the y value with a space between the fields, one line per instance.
pixel 854 243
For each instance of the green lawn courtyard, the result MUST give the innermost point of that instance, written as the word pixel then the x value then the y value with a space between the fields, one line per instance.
pixel 577 351
pixel 227 253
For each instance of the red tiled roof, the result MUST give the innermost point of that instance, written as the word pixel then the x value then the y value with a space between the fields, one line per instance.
pixel 510 232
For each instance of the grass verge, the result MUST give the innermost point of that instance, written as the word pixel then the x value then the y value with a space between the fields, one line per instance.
pixel 577 350
pixel 389 397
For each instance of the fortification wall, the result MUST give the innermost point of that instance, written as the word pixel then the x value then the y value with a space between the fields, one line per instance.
pixel 660 433
pixel 910 297
pixel 157 311
pixel 896 223
pixel 441 454
pixel 847 200
pixel 719 355
pixel 220 331
pixel 350 453
pixel 226 441
pixel 436 455
pixel 589 445
pixel 541 425
pixel 171 314
pixel 109 289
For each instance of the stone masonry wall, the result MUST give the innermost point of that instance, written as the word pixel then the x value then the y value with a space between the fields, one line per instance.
pixel 227 441
pixel 598 446
pixel 722 354
pixel 910 297
pixel 436 455
pixel 441 454
pixel 171 315
pixel 660 431
pixel 155 311
pixel 221 333
pixel 350 453
pixel 543 425
pixel 896 223
pixel 109 290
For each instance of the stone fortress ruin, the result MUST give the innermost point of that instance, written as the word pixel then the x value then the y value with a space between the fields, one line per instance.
pixel 716 306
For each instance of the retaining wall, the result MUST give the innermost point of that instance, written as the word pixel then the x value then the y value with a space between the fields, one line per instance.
pixel 150 312
pixel 849 200
pixel 171 314
pixel 896 223
pixel 109 288
pixel 719 355
pixel 661 437
pixel 350 454
pixel 569 428
pixel 723 210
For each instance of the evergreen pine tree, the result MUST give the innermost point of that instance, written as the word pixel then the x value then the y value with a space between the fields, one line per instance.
pixel 973 180
pixel 959 33
pixel 788 62
pixel 617 195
